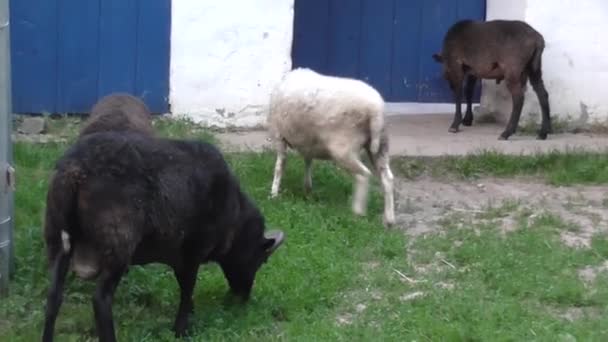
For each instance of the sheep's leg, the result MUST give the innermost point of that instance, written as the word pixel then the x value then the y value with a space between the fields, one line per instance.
pixel 281 148
pixel 308 175
pixel 55 294
pixel 381 164
pixel 543 98
pixel 387 179
pixel 102 302
pixel 456 85
pixel 351 163
pixel 240 283
pixel 516 87
pixel 359 205
pixel 186 278
pixel 470 89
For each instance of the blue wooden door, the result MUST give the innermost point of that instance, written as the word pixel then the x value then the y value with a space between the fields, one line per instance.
pixel 388 43
pixel 66 54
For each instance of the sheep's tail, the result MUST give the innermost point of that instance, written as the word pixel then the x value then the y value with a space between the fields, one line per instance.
pixel 376 124
pixel 58 226
pixel 60 217
pixel 536 61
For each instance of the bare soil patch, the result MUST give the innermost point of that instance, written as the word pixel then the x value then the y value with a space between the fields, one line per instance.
pixel 423 205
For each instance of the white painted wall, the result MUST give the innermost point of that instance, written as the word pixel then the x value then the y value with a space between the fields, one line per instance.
pixel 226 56
pixel 575 61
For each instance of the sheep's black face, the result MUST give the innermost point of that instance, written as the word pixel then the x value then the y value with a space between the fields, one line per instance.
pixel 247 255
pixel 444 71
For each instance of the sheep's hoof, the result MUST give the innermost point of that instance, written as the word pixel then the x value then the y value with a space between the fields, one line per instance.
pixel 359 212
pixel 231 298
pixel 503 136
pixel 388 223
pixel 468 122
pixel 453 130
pixel 307 190
pixel 181 329
pixel 541 136
pixel 181 334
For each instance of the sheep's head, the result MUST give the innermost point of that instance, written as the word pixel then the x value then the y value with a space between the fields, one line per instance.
pixel 251 249
pixel 440 59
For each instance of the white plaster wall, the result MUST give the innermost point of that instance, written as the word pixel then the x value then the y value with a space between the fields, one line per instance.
pixel 575 61
pixel 226 55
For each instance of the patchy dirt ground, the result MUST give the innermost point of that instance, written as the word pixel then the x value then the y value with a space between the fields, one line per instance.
pixel 423 205
pixel 427 135
pixel 428 206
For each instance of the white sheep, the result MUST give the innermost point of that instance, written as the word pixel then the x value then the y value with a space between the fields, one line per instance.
pixel 326 117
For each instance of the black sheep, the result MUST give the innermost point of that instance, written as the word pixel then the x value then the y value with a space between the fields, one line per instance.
pixel 118 112
pixel 125 198
pixel 498 49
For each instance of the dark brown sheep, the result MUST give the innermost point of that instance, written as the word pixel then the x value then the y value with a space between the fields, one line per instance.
pixel 125 198
pixel 497 49
pixel 118 112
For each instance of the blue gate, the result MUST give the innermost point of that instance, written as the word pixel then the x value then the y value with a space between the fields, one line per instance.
pixel 388 43
pixel 66 54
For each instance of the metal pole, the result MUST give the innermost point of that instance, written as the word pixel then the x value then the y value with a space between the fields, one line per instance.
pixel 9 129
pixel 7 181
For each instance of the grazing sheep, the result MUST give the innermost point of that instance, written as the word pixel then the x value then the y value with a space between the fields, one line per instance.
pixel 325 117
pixel 118 112
pixel 125 198
pixel 497 49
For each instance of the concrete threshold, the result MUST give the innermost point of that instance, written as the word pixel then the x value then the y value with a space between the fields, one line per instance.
pixel 427 135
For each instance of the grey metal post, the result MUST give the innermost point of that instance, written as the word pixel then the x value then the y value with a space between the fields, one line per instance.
pixel 7 181
pixel 9 129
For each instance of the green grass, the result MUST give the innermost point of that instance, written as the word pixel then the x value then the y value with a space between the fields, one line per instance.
pixel 67 127
pixel 509 288
pixel 337 277
pixel 296 294
pixel 181 127
pixel 556 168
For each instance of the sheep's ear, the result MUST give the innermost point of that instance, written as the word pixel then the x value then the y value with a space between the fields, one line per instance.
pixel 272 240
pixel 438 58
